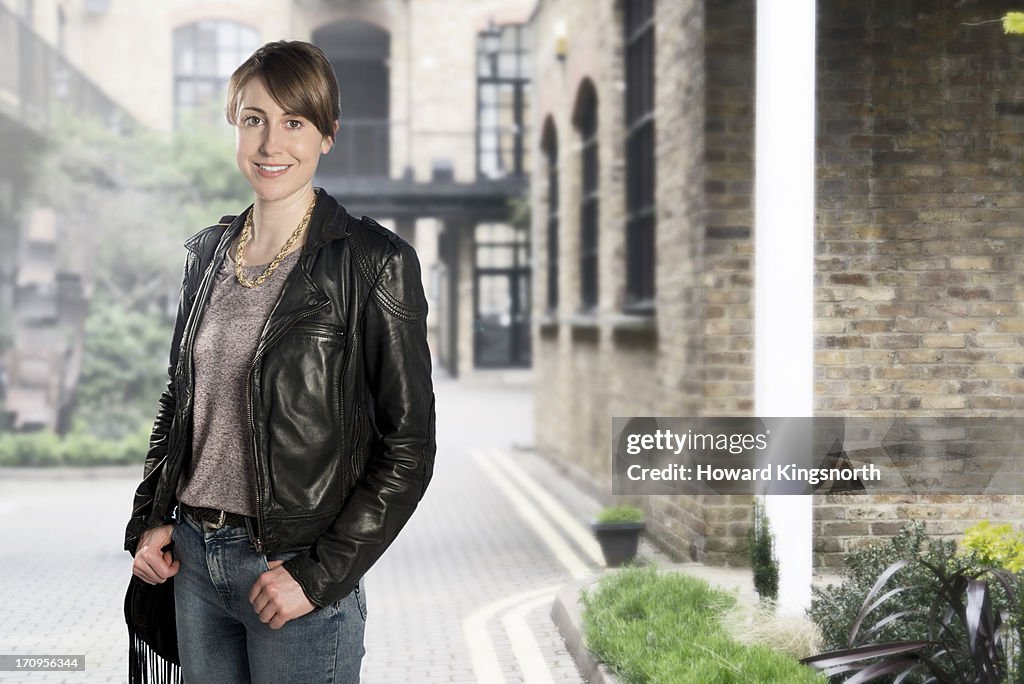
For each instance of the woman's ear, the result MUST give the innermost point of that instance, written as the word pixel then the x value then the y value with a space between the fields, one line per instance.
pixel 328 143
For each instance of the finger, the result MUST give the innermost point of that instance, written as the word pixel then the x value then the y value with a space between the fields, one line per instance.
pixel 257 587
pixel 275 563
pixel 260 603
pixel 268 613
pixel 145 572
pixel 160 569
pixel 278 622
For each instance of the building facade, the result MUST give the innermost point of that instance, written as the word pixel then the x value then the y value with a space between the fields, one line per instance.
pixel 643 220
pixel 434 99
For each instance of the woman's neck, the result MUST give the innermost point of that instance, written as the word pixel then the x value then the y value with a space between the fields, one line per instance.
pixel 274 221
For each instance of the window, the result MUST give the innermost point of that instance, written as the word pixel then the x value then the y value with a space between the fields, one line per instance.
pixel 205 55
pixel 360 53
pixel 585 120
pixel 639 121
pixel 503 79
pixel 549 144
pixel 501 295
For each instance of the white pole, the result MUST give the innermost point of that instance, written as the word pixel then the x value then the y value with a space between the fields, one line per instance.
pixel 784 258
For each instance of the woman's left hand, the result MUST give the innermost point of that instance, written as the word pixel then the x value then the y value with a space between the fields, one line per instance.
pixel 277 597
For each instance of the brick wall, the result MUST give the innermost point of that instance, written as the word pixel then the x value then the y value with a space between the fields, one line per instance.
pixel 920 250
pixel 694 357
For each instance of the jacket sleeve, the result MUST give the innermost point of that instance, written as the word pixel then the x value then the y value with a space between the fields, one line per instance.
pixel 156 456
pixel 397 363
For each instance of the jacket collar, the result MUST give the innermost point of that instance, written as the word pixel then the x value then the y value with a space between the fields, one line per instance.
pixel 330 221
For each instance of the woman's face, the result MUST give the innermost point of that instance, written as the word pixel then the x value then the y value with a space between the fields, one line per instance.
pixel 277 152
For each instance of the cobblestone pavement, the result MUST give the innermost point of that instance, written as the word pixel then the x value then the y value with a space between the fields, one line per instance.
pixel 464 594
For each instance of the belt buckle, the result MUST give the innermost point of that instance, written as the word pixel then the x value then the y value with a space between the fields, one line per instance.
pixel 211 526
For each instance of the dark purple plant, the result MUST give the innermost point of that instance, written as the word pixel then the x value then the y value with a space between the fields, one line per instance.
pixel 968 641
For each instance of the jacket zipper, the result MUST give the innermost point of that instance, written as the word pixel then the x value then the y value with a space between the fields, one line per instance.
pixel 258 541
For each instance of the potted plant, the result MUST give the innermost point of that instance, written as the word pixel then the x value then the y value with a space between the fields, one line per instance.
pixel 618 531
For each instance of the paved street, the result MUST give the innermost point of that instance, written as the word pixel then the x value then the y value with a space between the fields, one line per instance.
pixel 464 595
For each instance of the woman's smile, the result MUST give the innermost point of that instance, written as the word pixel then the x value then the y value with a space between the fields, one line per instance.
pixel 271 170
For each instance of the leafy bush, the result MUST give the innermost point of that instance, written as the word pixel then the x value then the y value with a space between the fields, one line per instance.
pixel 966 640
pixel 914 610
pixel 617 514
pixel 998 546
pixel 667 628
pixel 763 562
pixel 77 449
pixel 834 609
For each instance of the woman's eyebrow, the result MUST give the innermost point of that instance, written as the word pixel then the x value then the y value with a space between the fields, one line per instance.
pixel 257 109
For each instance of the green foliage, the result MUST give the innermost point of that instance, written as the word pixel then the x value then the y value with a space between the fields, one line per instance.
pixel 137 196
pixel 1013 22
pixel 834 609
pixel 994 546
pixel 763 562
pixel 76 449
pixel 668 629
pixel 617 514
pixel 967 638
pixel 123 371
pixel 937 596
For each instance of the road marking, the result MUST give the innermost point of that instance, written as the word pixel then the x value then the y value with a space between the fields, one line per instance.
pixel 532 665
pixel 486 666
pixel 565 554
pixel 509 479
pixel 572 527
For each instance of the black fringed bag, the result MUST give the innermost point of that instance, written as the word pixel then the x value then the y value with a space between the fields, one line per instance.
pixel 152 636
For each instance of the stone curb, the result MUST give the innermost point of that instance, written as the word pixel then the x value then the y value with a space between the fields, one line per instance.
pixel 567 614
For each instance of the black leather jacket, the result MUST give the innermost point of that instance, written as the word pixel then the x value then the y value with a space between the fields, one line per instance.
pixel 341 403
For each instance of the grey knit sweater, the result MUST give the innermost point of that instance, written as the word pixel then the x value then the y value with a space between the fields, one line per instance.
pixel 222 474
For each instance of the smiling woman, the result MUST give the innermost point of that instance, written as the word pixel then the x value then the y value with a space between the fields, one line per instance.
pixel 296 433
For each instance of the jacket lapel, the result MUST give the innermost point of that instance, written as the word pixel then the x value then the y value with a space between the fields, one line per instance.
pixel 301 296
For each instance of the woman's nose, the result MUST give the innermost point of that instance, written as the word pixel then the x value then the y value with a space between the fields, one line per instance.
pixel 272 141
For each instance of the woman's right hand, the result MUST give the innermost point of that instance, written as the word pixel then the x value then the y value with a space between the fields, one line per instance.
pixel 152 565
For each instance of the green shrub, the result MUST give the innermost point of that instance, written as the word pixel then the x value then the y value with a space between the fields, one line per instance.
pixel 667 628
pixel 763 562
pixel 77 449
pixel 994 546
pixel 834 609
pixel 617 514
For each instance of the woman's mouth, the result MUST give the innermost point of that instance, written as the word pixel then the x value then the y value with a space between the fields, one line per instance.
pixel 271 170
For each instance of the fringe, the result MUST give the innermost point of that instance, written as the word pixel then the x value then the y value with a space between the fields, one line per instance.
pixel 146 667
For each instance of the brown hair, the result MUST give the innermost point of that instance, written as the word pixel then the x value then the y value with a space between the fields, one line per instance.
pixel 299 78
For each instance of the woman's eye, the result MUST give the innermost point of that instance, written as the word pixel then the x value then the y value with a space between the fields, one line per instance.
pixel 294 123
pixel 252 121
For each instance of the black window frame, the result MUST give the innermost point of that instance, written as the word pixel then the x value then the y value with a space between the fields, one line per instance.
pixel 549 147
pixel 639 51
pixel 186 38
pixel 502 87
pixel 585 120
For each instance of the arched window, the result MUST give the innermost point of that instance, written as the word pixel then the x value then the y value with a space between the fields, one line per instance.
pixel 640 202
pixel 585 120
pixel 549 145
pixel 205 55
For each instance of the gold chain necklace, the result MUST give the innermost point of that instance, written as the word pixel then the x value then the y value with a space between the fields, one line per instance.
pixel 247 234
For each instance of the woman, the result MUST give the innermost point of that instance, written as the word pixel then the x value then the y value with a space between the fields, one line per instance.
pixel 296 434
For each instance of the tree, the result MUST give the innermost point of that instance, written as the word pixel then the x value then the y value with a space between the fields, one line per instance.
pixel 134 197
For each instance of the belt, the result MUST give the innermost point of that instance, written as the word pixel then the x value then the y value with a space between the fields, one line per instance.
pixel 213 519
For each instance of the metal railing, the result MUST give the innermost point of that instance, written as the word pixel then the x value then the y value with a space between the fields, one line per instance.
pixel 35 79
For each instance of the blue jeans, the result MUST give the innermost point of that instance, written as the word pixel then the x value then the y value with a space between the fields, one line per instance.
pixel 220 636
